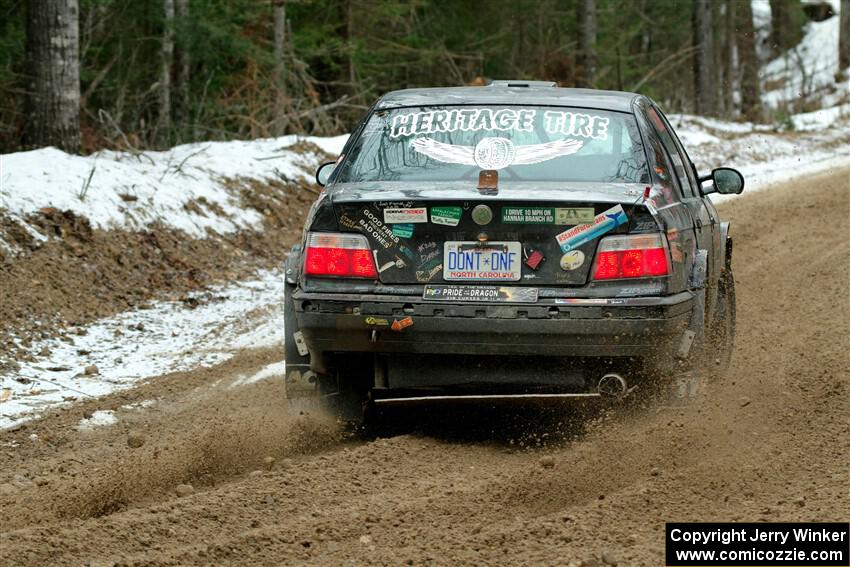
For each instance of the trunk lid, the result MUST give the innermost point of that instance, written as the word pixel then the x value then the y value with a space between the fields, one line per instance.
pixel 440 234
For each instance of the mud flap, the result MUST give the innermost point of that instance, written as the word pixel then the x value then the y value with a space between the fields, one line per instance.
pixel 300 381
pixel 690 352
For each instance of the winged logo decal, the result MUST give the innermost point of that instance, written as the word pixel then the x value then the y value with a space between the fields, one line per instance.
pixel 495 153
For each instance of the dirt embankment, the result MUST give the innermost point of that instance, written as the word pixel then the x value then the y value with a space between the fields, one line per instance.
pixel 769 442
pixel 80 274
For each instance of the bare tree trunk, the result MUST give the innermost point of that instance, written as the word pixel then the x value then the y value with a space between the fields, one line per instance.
pixel 167 54
pixel 721 84
pixel 786 25
pixel 183 64
pixel 705 74
pixel 844 36
pixel 279 8
pixel 731 57
pixel 53 65
pixel 751 106
pixel 586 42
pixel 776 26
pixel 349 36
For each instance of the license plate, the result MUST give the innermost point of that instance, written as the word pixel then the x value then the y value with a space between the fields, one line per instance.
pixel 480 293
pixel 470 261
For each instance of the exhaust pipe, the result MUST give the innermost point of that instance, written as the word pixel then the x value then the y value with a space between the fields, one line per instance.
pixel 612 386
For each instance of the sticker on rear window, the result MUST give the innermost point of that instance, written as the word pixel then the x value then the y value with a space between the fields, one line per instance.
pixel 561 122
pixel 602 223
pixel 495 153
pixel 466 119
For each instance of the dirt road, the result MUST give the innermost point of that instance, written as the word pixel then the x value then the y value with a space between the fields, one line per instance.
pixel 771 442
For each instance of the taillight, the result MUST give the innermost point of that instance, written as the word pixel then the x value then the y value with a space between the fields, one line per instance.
pixel 340 255
pixel 631 256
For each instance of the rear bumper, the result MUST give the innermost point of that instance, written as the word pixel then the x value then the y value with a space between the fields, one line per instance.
pixel 614 327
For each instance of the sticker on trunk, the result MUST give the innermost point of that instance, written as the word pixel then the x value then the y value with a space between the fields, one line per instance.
pixel 480 293
pixel 402 324
pixel 528 215
pixel 402 216
pixel 427 271
pixel 397 262
pixel 602 223
pixel 403 230
pixel 547 215
pixel 574 215
pixel 372 226
pixel 448 216
pixel 572 260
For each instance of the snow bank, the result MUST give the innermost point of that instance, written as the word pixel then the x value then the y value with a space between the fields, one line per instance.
pixel 132 190
pixel 137 344
pixel 808 69
pixel 820 141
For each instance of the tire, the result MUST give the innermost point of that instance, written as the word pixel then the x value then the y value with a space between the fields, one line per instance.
pixel 349 400
pixel 721 336
pixel 329 400
pixel 341 398
pixel 713 356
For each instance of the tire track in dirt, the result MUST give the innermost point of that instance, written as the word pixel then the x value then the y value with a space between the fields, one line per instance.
pixel 770 442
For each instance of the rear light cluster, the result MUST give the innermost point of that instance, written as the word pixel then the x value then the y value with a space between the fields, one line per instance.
pixel 631 256
pixel 340 255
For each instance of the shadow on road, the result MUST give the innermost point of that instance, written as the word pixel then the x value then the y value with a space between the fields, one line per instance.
pixel 517 424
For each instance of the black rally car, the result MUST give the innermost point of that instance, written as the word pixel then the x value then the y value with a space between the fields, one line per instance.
pixel 513 240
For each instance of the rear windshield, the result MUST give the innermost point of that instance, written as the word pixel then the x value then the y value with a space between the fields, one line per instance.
pixel 541 143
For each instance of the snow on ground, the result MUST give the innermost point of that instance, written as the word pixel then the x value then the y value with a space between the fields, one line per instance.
pixel 273 370
pixel 171 337
pixel 167 337
pixel 132 190
pixel 99 418
pixel 820 141
pixel 807 70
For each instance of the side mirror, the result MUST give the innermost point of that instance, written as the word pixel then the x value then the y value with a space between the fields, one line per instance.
pixel 324 172
pixel 725 180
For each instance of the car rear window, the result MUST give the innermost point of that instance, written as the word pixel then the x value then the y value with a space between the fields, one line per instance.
pixel 540 143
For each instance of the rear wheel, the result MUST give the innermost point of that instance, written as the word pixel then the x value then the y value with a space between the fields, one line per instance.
pixel 341 396
pixel 712 357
